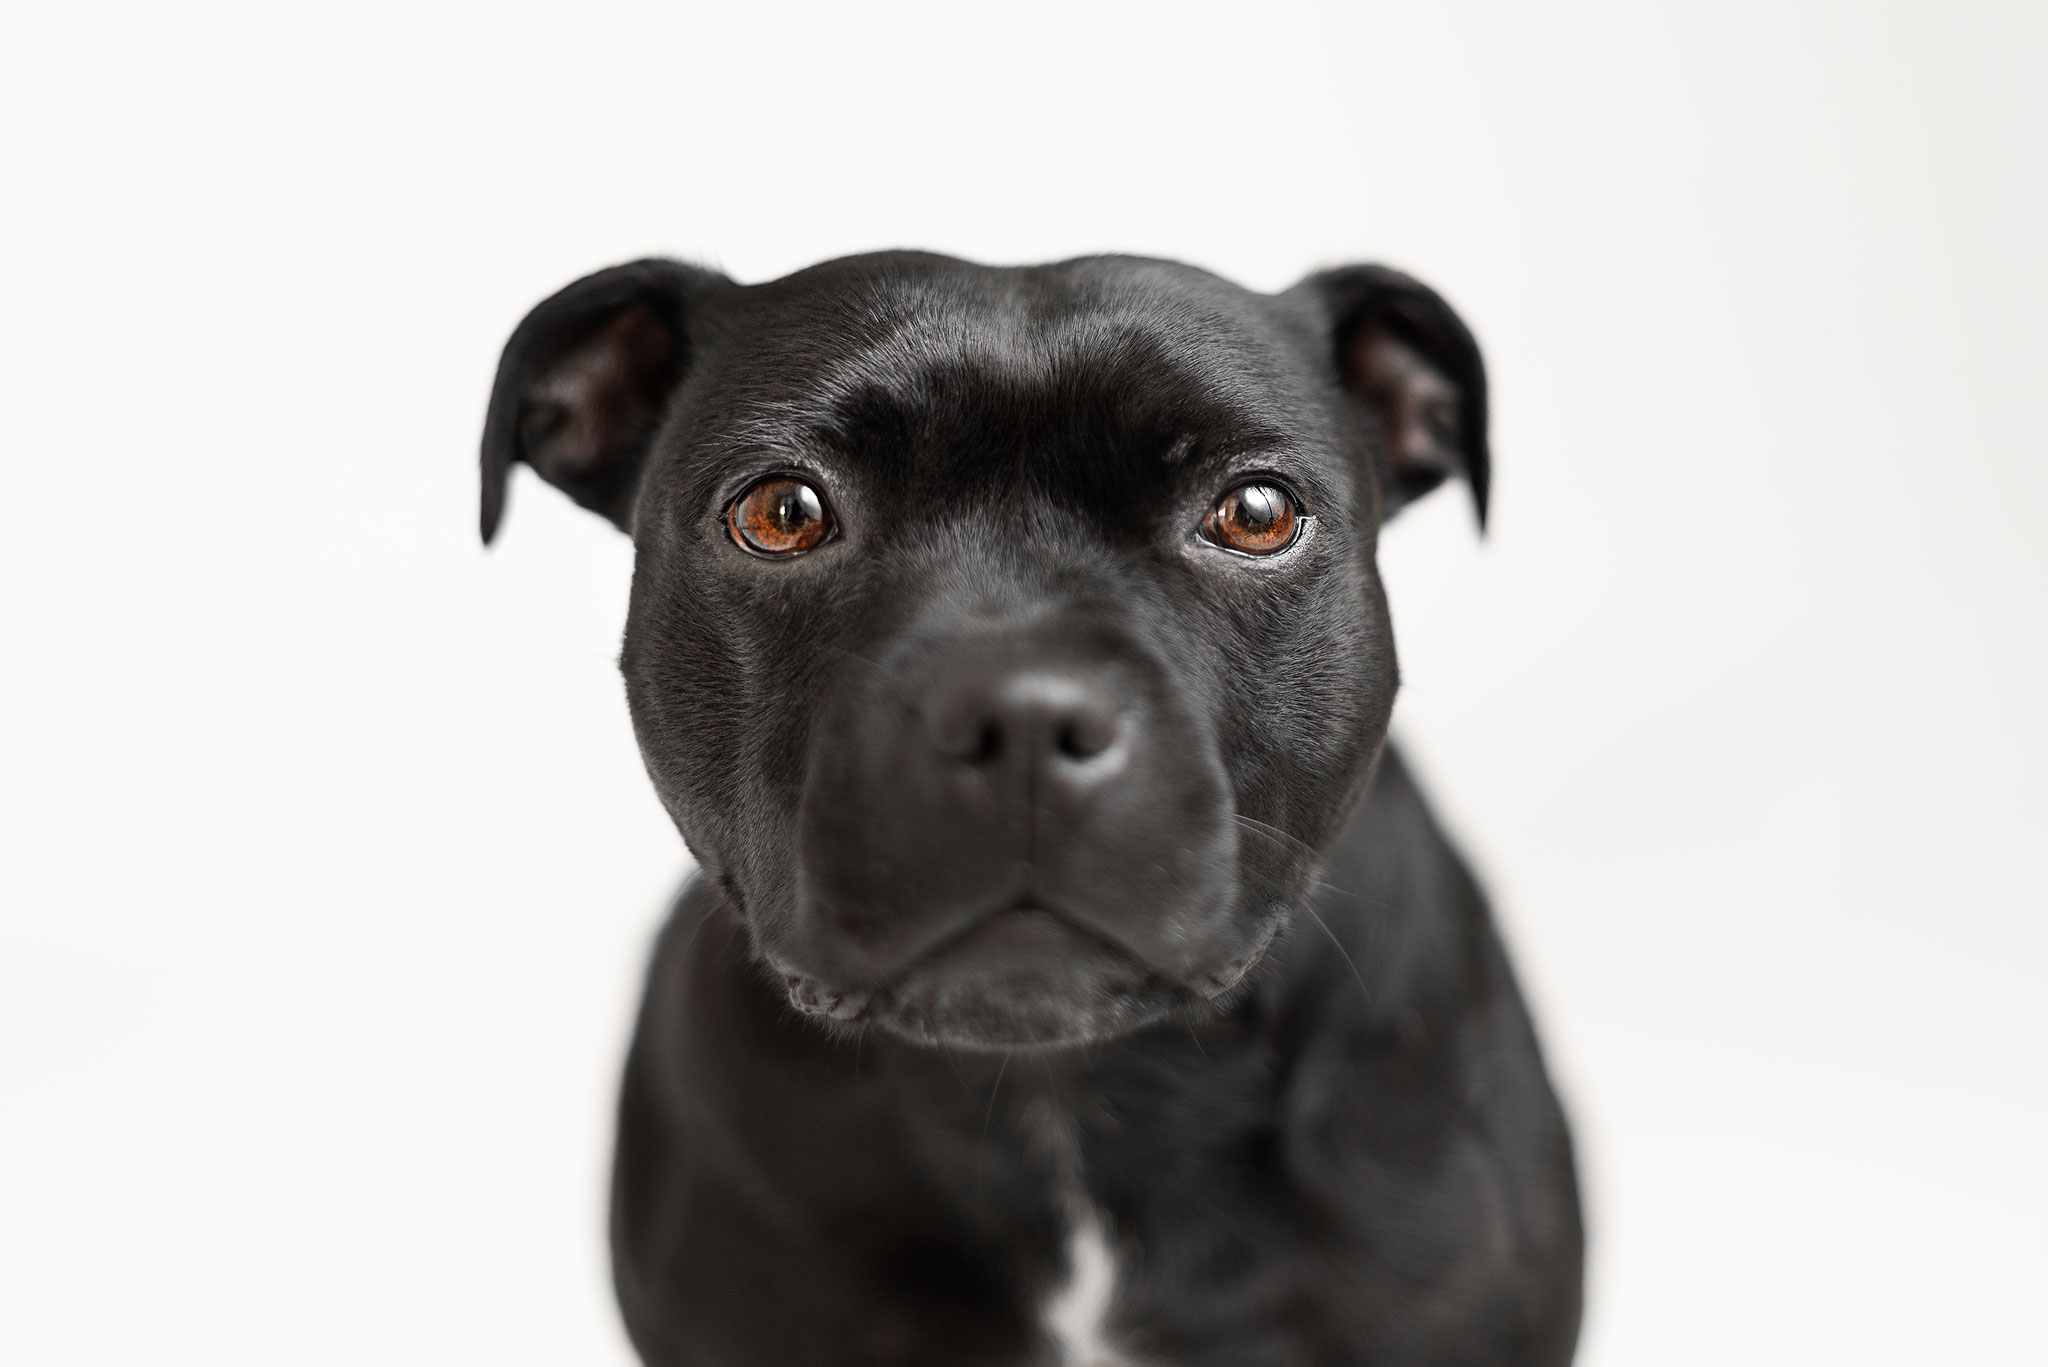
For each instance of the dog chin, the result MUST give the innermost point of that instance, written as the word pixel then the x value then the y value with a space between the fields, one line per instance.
pixel 1023 979
pixel 1087 1008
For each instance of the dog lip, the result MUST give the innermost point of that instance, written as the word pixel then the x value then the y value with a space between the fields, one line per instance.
pixel 1021 976
pixel 1026 904
pixel 813 998
pixel 1207 986
pixel 1214 985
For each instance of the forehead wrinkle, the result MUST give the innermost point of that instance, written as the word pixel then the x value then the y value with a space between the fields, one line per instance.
pixel 1098 364
pixel 894 349
pixel 1178 365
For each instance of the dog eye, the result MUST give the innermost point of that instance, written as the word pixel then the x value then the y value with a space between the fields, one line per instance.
pixel 780 515
pixel 1255 518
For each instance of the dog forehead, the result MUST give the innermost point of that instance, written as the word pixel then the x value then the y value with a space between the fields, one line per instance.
pixel 910 337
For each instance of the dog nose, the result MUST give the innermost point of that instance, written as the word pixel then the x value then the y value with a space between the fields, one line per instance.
pixel 1035 719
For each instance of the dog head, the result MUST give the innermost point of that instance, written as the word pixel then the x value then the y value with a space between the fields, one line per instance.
pixel 1006 643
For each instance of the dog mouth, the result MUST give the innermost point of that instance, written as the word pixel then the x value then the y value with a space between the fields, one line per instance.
pixel 1027 976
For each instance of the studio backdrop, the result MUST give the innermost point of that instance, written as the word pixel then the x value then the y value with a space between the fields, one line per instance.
pixel 327 864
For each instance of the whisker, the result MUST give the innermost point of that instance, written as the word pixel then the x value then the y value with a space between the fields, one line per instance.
pixel 855 655
pixel 1275 834
pixel 997 1086
pixel 981 1144
pixel 690 940
pixel 1340 949
pixel 1282 838
pixel 954 1063
pixel 1327 886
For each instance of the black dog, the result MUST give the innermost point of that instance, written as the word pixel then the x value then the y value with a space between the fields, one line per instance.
pixel 1071 977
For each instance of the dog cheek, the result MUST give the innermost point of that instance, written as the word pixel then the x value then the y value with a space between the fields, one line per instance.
pixel 1320 692
pixel 685 684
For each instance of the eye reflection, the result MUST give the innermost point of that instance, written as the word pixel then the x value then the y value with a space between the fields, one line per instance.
pixel 779 516
pixel 1255 518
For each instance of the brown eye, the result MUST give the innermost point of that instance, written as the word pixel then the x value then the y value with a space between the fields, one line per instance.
pixel 1255 518
pixel 780 515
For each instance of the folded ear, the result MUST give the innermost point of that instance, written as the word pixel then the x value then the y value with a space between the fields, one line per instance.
pixel 1401 352
pixel 584 383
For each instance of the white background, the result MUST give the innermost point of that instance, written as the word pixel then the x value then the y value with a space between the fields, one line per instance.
pixel 326 858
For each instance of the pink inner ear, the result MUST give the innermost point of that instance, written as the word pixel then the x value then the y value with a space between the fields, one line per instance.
pixel 599 395
pixel 1417 404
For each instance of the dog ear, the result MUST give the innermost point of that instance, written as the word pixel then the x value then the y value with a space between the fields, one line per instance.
pixel 1400 350
pixel 584 382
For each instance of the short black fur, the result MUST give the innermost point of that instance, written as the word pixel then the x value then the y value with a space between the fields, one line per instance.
pixel 1054 870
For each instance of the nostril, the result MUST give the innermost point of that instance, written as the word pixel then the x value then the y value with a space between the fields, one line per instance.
pixel 988 744
pixel 1070 742
pixel 1023 717
pixel 968 735
pixel 1086 735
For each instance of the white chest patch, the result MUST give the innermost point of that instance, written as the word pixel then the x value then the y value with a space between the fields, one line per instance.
pixel 1078 1310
